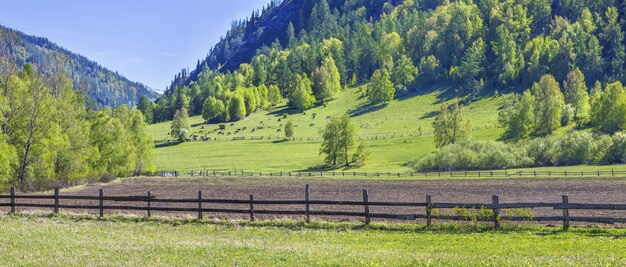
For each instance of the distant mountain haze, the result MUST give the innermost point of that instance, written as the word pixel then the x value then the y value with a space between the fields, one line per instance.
pixel 106 87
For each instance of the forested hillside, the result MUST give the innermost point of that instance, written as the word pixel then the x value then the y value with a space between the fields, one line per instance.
pixel 106 87
pixel 481 46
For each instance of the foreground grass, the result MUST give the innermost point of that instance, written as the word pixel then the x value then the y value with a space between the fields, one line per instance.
pixel 75 240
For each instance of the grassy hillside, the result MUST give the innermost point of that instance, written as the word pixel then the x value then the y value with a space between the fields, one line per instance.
pixel 395 134
pixel 66 241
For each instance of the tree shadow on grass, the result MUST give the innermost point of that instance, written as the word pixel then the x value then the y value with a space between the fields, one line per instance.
pixel 364 109
pixel 429 115
pixel 168 144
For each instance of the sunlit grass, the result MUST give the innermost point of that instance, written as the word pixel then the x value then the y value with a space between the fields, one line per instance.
pixel 75 240
pixel 395 134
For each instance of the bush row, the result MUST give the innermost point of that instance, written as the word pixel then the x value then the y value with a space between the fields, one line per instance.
pixel 570 149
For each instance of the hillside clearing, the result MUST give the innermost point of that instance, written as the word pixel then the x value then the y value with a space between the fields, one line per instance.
pixel 395 134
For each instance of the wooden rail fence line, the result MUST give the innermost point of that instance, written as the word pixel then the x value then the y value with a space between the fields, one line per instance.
pixel 429 207
pixel 453 174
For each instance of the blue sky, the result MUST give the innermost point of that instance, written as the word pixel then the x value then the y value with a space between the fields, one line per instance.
pixel 145 40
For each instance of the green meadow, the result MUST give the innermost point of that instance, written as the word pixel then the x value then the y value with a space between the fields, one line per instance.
pixel 394 134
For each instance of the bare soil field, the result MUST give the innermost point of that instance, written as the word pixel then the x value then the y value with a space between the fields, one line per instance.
pixel 579 190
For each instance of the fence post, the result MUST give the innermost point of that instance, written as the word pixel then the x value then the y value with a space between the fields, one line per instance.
pixel 496 211
pixel 366 206
pixel 12 199
pixel 149 204
pixel 307 196
pixel 565 212
pixel 200 205
pixel 429 207
pixel 251 208
pixel 101 202
pixel 56 199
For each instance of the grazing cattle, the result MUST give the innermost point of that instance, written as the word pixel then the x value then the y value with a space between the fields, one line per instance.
pixel 279 130
pixel 312 125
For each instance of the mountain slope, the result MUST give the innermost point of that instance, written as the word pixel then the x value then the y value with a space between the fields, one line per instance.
pixel 480 46
pixel 106 87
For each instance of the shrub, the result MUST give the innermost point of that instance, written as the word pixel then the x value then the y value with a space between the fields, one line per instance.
pixel 540 150
pixel 574 149
pixel 474 155
pixel 616 151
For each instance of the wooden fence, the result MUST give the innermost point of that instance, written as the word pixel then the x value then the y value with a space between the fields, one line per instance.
pixel 452 174
pixel 429 208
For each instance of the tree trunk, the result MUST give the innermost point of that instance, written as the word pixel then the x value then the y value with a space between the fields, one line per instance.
pixel 22 175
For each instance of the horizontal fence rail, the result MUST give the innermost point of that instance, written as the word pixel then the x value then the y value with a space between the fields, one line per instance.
pixel 453 174
pixel 494 212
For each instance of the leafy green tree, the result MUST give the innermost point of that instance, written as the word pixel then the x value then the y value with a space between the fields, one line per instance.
pixel 430 68
pixel 338 139
pixel 380 90
pixel 575 93
pixel 180 127
pixel 327 81
pixel 450 126
pixel 259 64
pixel 273 94
pixel 471 68
pixel 301 95
pixel 32 128
pixel 8 156
pixel 509 60
pixel 213 109
pixel 390 45
pixel 142 142
pixel 250 101
pixel 334 48
pixel 289 129
pixel 237 107
pixel 517 117
pixel 608 110
pixel 146 108
pixel 549 102
pixel 116 153
pixel 404 72
pixel 540 53
pixel 595 90
pixel 587 46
